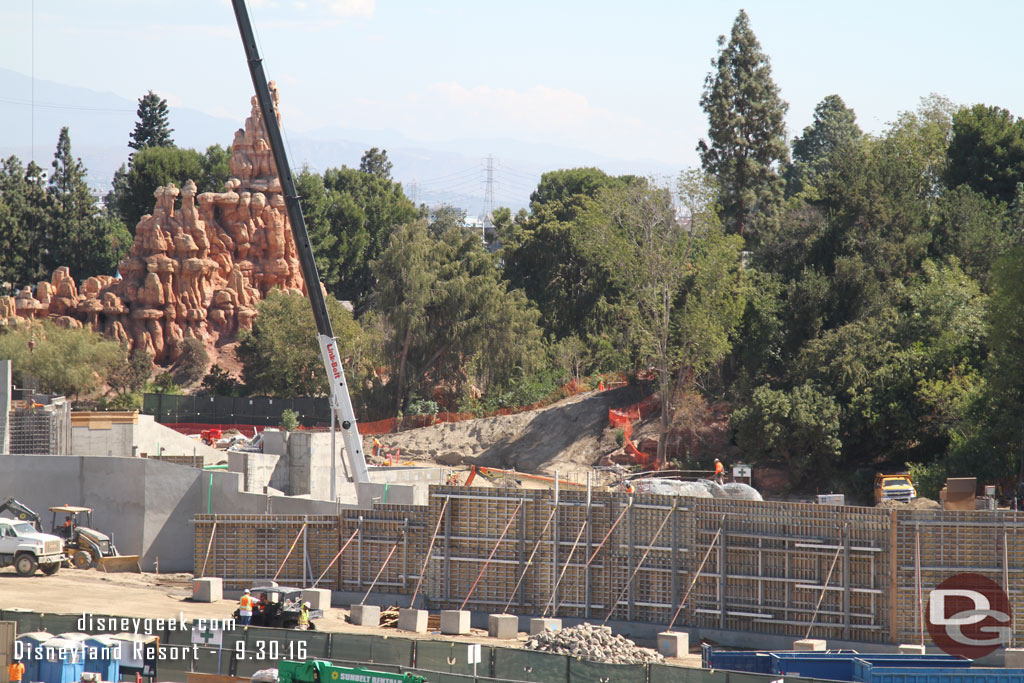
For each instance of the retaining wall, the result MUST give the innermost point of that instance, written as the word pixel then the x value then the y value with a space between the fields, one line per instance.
pixel 778 569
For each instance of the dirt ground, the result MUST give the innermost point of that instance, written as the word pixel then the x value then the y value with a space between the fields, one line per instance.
pixel 73 591
pixel 567 436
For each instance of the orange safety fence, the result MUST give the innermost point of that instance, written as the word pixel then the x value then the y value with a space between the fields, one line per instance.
pixel 624 418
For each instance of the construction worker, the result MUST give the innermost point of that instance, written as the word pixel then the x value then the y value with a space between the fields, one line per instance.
pixel 304 617
pixel 245 608
pixel 377 447
pixel 719 471
pixel 15 671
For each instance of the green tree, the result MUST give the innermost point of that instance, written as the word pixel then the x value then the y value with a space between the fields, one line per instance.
pixel 25 219
pixel 541 253
pixel 798 428
pixel 152 129
pixel 219 382
pixel 446 217
pixel 375 162
pixel 81 236
pixel 131 196
pixel 191 364
pixel 747 131
pixel 986 151
pixel 834 126
pixel 280 355
pixel 449 313
pixel 681 285
pixel 994 447
pixel 350 215
pixel 132 373
pixel 69 362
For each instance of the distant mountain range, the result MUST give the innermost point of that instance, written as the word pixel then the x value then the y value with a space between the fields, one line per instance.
pixel 453 172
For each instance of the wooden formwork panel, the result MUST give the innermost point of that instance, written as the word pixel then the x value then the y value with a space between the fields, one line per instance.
pixel 776 568
pixel 935 545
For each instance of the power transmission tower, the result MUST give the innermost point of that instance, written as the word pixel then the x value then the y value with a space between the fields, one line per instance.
pixel 488 197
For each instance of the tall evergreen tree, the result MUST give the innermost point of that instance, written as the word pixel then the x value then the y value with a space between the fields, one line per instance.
pixel 834 125
pixel 152 129
pixel 746 130
pixel 74 210
pixel 81 236
pixel 24 218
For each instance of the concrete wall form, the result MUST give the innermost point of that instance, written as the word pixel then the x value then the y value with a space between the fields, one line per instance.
pixel 765 568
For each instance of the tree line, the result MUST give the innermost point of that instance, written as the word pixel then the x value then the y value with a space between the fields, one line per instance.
pixel 853 298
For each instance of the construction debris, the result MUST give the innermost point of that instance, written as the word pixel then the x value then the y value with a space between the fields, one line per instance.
pixel 596 643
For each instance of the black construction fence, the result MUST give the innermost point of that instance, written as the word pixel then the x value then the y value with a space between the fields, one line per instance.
pixel 246 651
pixel 261 411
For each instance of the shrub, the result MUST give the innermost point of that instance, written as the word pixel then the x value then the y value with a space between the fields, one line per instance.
pixel 192 362
pixel 289 420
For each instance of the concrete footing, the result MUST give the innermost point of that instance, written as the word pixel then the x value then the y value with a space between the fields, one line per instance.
pixel 502 625
pixel 809 645
pixel 318 598
pixel 673 644
pixel 907 649
pixel 1013 658
pixel 454 622
pixel 365 615
pixel 207 590
pixel 414 620
pixel 539 625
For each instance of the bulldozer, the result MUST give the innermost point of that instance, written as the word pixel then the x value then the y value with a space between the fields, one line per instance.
pixel 86 547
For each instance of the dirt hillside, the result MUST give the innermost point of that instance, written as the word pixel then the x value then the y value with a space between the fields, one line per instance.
pixel 567 436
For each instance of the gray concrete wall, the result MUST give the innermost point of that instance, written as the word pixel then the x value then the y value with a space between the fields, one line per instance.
pixel 151 436
pixel 128 435
pixel 103 439
pixel 5 406
pixel 146 505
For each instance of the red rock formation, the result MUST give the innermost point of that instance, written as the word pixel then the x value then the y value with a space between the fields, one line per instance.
pixel 197 268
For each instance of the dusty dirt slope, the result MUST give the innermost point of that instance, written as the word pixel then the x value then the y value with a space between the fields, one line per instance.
pixel 567 436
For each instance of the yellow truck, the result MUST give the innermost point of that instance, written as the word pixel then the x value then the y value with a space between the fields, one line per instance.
pixel 894 487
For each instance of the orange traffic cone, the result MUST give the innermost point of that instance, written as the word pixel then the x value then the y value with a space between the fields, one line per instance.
pixel 600 385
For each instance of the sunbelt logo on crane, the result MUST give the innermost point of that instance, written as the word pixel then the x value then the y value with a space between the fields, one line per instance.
pixel 969 615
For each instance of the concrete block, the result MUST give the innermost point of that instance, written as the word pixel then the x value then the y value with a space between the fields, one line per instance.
pixel 365 615
pixel 414 620
pixel 907 649
pixel 454 622
pixel 318 598
pixel 1013 658
pixel 673 644
pixel 809 645
pixel 208 590
pixel 539 625
pixel 502 625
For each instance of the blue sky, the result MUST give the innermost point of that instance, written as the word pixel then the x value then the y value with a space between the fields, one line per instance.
pixel 622 79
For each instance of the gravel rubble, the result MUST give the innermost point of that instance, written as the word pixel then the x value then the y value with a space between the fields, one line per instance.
pixel 596 643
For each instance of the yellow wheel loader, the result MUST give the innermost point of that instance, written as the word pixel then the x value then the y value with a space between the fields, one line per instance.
pixel 84 546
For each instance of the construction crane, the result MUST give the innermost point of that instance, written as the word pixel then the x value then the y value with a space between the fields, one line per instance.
pixel 341 402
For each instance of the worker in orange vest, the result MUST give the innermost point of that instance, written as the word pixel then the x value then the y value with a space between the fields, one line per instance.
pixel 15 671
pixel 719 471
pixel 245 608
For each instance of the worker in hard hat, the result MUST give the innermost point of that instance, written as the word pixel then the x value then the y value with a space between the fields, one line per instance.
pixel 245 608
pixel 304 617
pixel 719 471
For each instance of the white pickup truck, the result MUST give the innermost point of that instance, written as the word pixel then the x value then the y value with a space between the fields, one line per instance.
pixel 27 549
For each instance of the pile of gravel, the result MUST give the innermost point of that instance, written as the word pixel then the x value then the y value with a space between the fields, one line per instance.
pixel 597 643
